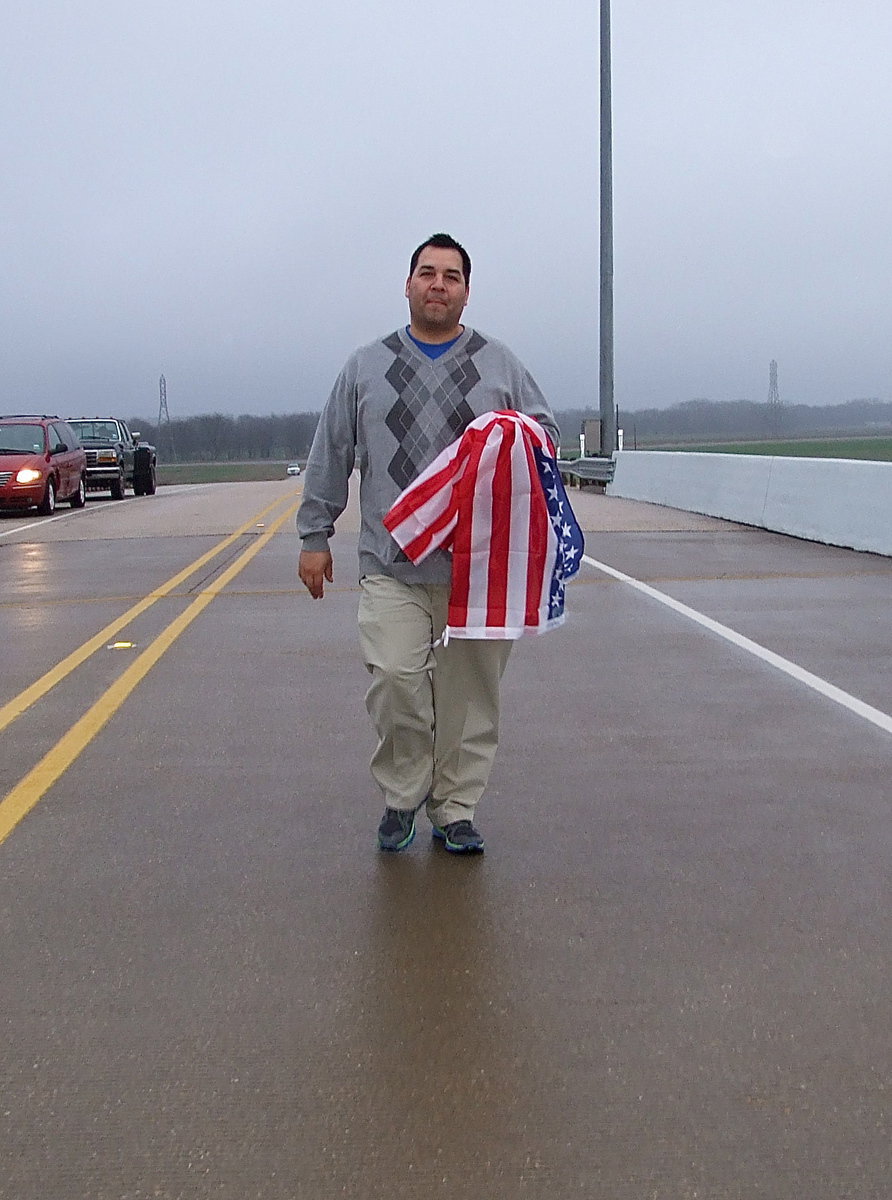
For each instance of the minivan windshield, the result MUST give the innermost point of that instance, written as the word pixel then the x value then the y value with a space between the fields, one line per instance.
pixel 21 439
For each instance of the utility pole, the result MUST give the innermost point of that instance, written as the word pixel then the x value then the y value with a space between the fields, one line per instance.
pixel 774 401
pixel 164 417
pixel 605 382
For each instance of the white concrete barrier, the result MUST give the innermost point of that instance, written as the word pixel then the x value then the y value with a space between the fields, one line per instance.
pixel 843 502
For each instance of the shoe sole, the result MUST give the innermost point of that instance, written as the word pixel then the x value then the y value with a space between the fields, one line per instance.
pixel 403 845
pixel 454 847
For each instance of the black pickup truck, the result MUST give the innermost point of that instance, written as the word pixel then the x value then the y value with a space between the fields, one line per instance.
pixel 116 458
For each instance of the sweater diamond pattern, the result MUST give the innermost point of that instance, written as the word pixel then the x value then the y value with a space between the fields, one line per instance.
pixel 423 419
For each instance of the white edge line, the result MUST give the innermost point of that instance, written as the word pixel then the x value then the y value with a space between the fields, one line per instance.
pixel 852 703
pixel 34 524
pixel 61 516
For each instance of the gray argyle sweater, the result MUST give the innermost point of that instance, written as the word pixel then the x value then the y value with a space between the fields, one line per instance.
pixel 391 411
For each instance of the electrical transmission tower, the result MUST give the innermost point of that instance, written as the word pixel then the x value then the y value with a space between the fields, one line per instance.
pixel 774 401
pixel 164 419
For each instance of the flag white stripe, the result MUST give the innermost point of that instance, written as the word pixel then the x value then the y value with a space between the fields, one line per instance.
pixel 518 557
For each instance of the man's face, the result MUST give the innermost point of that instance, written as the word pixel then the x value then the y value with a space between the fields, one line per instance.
pixel 437 293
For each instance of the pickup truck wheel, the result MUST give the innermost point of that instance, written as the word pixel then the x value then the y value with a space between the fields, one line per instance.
pixel 47 506
pixel 79 499
pixel 144 481
pixel 117 488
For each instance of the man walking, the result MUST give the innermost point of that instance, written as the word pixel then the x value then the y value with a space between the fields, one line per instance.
pixel 395 406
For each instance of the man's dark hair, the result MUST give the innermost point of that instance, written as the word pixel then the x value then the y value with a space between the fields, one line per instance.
pixel 443 241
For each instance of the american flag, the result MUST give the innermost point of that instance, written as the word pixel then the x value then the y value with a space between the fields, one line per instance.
pixel 495 498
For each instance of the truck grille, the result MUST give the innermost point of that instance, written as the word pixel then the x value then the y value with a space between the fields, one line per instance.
pixel 92 458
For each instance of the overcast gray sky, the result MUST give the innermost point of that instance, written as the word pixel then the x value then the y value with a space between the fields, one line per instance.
pixel 228 191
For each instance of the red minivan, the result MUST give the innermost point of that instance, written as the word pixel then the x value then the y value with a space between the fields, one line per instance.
pixel 41 461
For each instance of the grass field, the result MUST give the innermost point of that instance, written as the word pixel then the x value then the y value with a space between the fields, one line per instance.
pixel 225 472
pixel 874 448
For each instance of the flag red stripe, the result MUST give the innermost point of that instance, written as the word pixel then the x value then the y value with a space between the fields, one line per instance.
pixel 461 543
pixel 430 537
pixel 501 500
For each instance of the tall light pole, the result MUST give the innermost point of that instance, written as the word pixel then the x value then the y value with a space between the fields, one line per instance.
pixel 605 381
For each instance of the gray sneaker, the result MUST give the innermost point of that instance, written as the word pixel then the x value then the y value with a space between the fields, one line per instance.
pixel 459 837
pixel 397 829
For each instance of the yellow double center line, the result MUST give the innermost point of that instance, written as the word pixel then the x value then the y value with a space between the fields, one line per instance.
pixel 25 795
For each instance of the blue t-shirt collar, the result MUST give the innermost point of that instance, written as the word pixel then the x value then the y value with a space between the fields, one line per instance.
pixel 433 349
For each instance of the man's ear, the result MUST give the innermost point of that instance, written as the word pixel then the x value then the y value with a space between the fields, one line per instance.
pixel 408 281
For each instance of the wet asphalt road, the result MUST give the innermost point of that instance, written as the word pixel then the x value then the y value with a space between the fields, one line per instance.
pixel 668 978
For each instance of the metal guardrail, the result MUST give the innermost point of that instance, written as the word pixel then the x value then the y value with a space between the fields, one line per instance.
pixel 586 470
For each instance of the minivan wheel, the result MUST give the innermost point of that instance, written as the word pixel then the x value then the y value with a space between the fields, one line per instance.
pixel 79 499
pixel 47 506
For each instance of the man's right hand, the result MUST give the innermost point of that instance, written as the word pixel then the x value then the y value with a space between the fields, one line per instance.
pixel 314 568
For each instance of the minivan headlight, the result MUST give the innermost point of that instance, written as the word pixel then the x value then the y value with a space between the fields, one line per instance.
pixel 27 475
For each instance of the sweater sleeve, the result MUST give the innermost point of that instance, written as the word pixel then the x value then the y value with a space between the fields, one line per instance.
pixel 330 464
pixel 534 404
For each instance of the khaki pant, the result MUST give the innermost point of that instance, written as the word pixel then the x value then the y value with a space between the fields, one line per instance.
pixel 436 710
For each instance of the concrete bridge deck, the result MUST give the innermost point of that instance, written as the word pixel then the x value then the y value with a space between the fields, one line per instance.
pixel 667 978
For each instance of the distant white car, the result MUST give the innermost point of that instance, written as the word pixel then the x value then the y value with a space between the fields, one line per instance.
pixel 292 469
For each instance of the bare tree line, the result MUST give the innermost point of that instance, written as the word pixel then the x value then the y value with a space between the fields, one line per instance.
pixel 216 437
